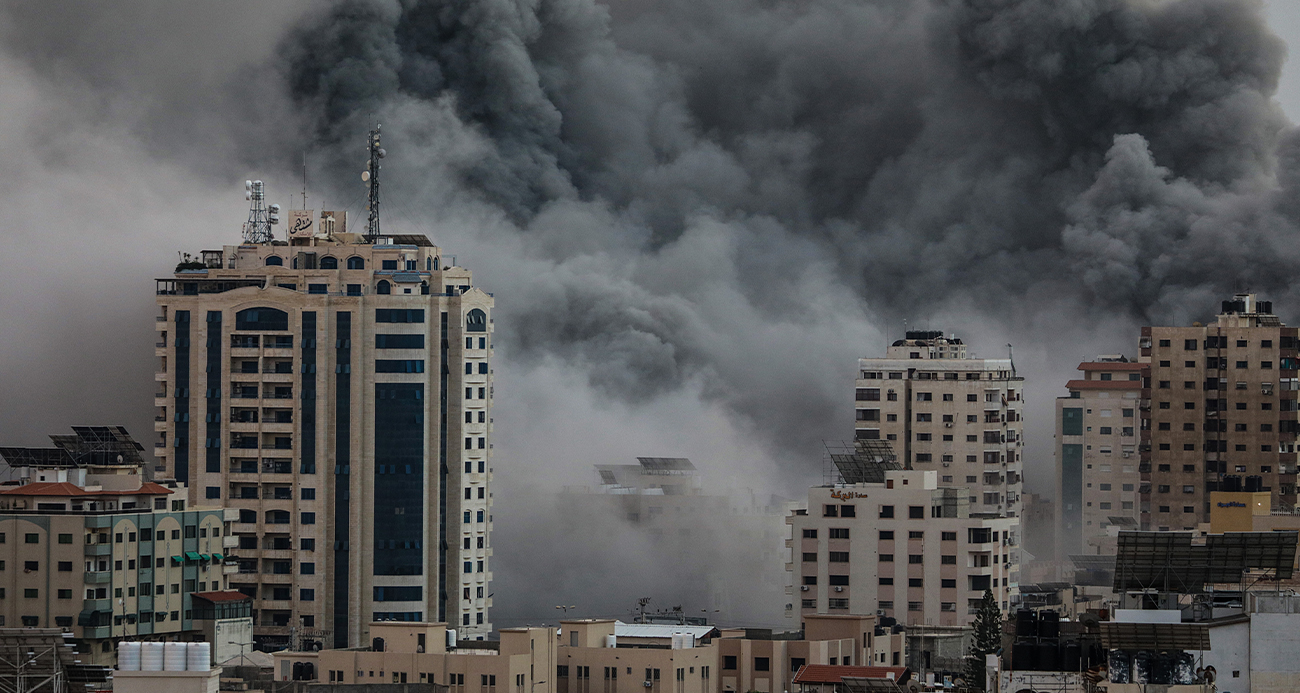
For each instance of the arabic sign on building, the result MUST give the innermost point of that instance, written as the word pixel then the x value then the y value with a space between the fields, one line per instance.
pixel 300 223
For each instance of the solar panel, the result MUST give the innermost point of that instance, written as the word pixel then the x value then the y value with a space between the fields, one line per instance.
pixel 1158 637
pixel 1091 562
pixel 864 461
pixel 664 464
pixel 1168 560
pixel 849 684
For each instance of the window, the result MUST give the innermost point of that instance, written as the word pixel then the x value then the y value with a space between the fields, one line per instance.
pixel 886 511
pixel 838 556
pixel 308 518
pixel 306 568
pixel 916 582
pixel 924 397
pixel 848 511
pixel 32 538
pixel 915 559
pixel 886 558
pixel 886 535
pixel 762 664
pixel 807 558
pixel 837 533
pixel 831 511
pixel 810 534
pixel 213 492
pixel 729 662
pixel 66 566
pixel 916 512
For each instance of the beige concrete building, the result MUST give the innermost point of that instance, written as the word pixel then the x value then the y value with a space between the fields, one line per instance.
pixel 337 391
pixel 1097 458
pixel 759 660
pixel 593 657
pixel 902 547
pixel 522 661
pixel 110 556
pixel 1223 413
pixel 940 410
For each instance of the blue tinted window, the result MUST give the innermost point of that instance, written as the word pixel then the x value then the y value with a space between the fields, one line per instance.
pixel 307 568
pixel 399 341
pixel 214 492
pixel 383 287
pixel 476 321
pixel 399 594
pixel 328 262
pixel 261 319
pixel 390 264
pixel 399 451
pixel 308 518
pixel 274 261
pixel 399 315
pixel 318 288
pixel 399 366
pixel 354 289
pixel 306 595
pixel 356 263
pixel 482 368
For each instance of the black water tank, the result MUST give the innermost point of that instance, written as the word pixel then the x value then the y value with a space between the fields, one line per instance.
pixel 1118 664
pixel 887 621
pixel 1026 624
pixel 1023 656
pixel 1265 307
pixel 1049 655
pixel 1049 625
pixel 1162 668
pixel 1231 484
pixel 1071 656
pixel 1254 484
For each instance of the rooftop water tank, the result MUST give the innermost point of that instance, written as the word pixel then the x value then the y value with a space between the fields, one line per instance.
pixel 128 656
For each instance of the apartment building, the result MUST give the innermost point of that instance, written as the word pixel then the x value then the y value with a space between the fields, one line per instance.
pixel 336 390
pixel 89 546
pixel 901 546
pixel 1223 413
pixel 1097 458
pixel 943 411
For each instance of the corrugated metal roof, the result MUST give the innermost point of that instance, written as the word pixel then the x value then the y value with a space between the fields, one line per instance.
pixel 658 630
pixel 831 673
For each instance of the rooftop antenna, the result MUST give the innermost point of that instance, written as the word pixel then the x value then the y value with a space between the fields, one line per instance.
pixel 260 216
pixel 304 180
pixel 371 176
pixel 1012 358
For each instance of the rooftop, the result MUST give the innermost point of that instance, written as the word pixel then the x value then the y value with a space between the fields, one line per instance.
pixel 830 673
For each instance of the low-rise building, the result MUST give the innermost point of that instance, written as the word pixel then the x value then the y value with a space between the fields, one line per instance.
pixel 522 661
pixel 759 660
pixel 891 542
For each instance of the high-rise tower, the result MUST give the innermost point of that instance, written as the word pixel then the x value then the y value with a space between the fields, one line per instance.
pixel 337 389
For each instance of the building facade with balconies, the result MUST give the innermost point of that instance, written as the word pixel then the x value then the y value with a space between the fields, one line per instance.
pixel 939 410
pixel 336 390
pixel 904 548
pixel 105 555
pixel 1223 413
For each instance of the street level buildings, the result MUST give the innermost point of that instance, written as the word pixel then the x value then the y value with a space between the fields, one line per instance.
pixel 942 411
pixel 336 391
pixel 902 547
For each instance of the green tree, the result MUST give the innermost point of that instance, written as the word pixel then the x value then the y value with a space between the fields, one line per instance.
pixel 988 639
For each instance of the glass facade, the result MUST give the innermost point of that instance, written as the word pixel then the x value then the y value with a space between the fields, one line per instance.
pixel 212 437
pixel 443 470
pixel 261 320
pixel 399 478
pixel 342 471
pixel 307 413
pixel 181 412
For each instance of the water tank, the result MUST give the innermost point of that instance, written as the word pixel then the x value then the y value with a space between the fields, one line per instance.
pixel 887 621
pixel 677 641
pixel 451 638
pixel 151 656
pixel 198 656
pixel 174 656
pixel 1119 666
pixel 1023 656
pixel 1026 624
pixel 1231 484
pixel 1049 624
pixel 688 641
pixel 128 656
pixel 611 641
pixel 1254 484
pixel 1049 656
pixel 1071 656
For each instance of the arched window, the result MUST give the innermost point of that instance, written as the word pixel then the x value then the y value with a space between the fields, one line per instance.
pixel 328 262
pixel 356 263
pixel 261 319
pixel 274 261
pixel 428 264
pixel 476 321
pixel 424 288
pixel 384 287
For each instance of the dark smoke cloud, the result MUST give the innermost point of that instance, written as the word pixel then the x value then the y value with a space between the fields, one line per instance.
pixel 696 214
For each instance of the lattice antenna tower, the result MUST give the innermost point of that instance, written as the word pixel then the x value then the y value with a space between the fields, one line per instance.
pixel 261 217
pixel 371 177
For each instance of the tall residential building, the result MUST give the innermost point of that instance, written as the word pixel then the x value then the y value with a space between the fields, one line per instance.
pixel 901 546
pixel 1097 458
pixel 337 390
pixel 89 546
pixel 941 411
pixel 1223 413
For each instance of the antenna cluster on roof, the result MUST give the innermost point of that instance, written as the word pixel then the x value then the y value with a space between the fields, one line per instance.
pixel 260 216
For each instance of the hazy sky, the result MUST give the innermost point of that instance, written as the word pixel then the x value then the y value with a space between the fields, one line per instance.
pixel 1284 19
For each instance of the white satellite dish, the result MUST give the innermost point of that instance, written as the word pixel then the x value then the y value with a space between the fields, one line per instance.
pixel 248 185
pixel 365 176
pixel 381 153
pixel 275 209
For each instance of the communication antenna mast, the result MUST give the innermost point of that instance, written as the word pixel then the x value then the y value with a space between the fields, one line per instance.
pixel 304 180
pixel 371 176
pixel 260 216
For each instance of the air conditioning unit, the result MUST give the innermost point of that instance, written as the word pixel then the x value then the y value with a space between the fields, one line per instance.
pixel 947 464
pixel 803 588
pixel 880 612
pixel 647 684
pixel 947 424
pixel 839 589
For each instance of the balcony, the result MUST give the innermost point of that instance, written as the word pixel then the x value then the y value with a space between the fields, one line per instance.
pixel 98 577
pixel 99 549
pixel 97 605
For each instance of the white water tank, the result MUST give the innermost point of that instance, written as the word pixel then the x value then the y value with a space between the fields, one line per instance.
pixel 174 656
pixel 151 656
pixel 198 656
pixel 451 638
pixel 128 656
pixel 688 641
pixel 677 641
pixel 611 641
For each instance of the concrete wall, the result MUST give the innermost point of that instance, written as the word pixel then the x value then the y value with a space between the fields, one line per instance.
pixel 1274 642
pixel 1229 652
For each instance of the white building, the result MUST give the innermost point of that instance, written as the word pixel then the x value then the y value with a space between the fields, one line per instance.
pixel 900 546
pixel 939 410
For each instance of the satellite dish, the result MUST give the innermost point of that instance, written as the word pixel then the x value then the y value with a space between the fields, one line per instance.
pixel 381 153
pixel 258 183
pixel 365 176
pixel 275 209
pixel 248 185
pixel 273 219
pixel 248 195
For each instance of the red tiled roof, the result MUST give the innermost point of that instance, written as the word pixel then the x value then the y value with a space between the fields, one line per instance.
pixel 226 596
pixel 831 673
pixel 64 488
pixel 1104 385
